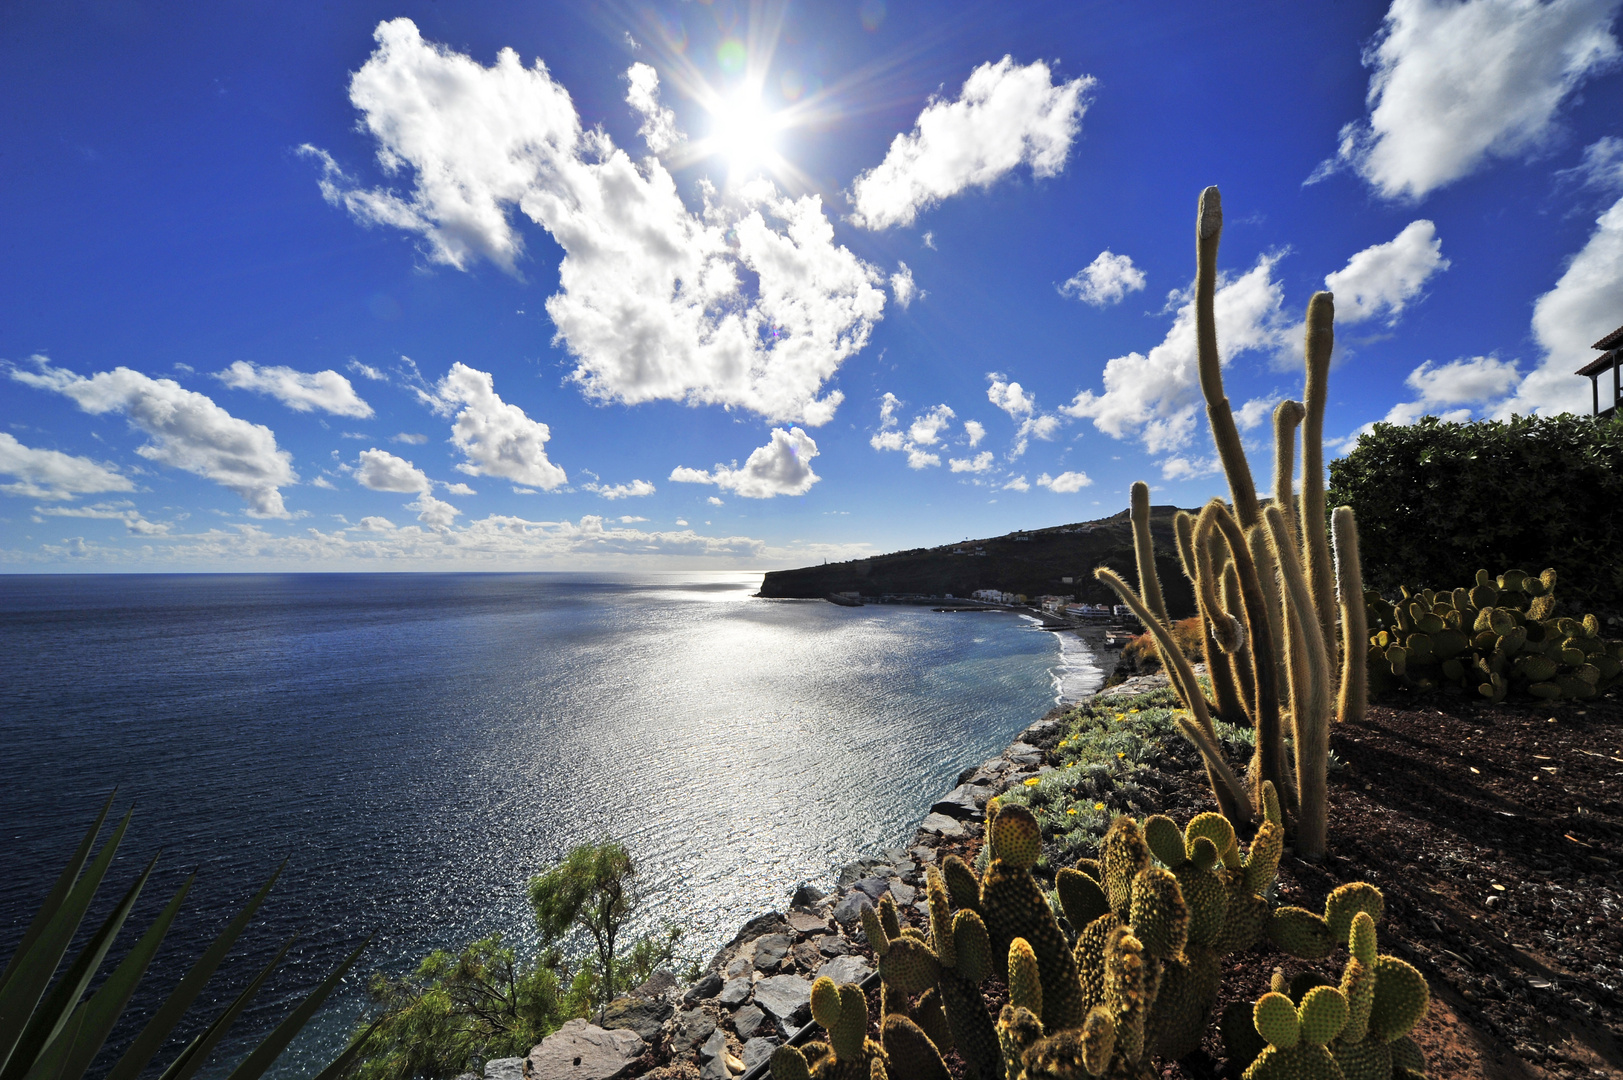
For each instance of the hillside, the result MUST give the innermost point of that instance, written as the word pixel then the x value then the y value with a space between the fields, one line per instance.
pixel 1033 563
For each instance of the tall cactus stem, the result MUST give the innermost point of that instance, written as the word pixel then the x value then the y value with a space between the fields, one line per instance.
pixel 1354 695
pixel 1183 527
pixel 1242 489
pixel 1287 417
pixel 1240 662
pixel 1236 806
pixel 1310 694
pixel 1149 582
pixel 1321 339
pixel 1225 634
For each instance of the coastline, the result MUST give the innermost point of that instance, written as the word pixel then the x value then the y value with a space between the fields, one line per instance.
pixel 755 992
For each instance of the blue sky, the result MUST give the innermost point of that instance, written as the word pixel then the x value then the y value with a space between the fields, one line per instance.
pixel 679 285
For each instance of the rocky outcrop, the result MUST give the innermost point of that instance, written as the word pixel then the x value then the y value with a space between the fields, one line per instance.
pixel 583 1051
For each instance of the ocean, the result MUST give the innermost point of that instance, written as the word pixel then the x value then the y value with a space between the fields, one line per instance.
pixel 417 746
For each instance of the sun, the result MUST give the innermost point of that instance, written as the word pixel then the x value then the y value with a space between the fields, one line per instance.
pixel 743 133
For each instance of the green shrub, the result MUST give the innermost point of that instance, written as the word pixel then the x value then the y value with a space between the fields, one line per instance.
pixel 1435 501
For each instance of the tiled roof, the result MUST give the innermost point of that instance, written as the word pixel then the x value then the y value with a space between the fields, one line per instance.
pixel 1610 341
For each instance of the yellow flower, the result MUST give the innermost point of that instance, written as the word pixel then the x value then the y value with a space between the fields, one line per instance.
pixel 1098 806
pixel 1132 710
pixel 1031 781
pixel 1120 754
pixel 1121 716
pixel 1072 810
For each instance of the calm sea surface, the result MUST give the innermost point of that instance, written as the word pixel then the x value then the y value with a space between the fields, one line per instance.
pixel 417 746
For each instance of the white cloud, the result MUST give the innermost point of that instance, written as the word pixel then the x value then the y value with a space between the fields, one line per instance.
pixel 1183 468
pixel 1105 280
pixel 1009 396
pixel 496 436
pixel 630 519
pixel 1018 483
pixel 119 511
pixel 437 515
pixel 459 489
pixel 656 302
pixel 1005 116
pixel 1456 83
pixel 410 438
pixel 1253 413
pixel 1382 278
pixel 382 471
pixel 928 239
pixel 632 490
pixel 981 462
pixel 658 128
pixel 1156 396
pixel 781 467
pixel 369 372
pixel 324 483
pixel 976 432
pixel 902 286
pixel 1585 304
pixel 713 501
pixel 298 390
pixel 1601 168
pixel 926 429
pixel 1065 483
pixel 51 474
pixel 187 430
pixel 921 459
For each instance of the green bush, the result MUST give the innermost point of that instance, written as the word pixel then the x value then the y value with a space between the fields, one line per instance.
pixel 1436 500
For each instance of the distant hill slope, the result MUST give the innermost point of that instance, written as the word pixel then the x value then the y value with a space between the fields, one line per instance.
pixel 1033 563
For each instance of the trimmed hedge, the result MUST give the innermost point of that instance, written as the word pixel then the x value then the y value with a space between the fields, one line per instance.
pixel 1436 501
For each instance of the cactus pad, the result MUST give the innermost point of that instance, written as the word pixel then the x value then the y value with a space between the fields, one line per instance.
pixel 1401 999
pixel 825 1002
pixel 1159 916
pixel 1014 905
pixel 1206 896
pixel 1301 933
pixel 1016 838
pixel 963 887
pixel 1347 901
pixel 1123 854
pixel 909 966
pixel 1262 863
pixel 788 1063
pixel 1366 1060
pixel 1276 1020
pixel 1081 896
pixel 1323 1014
pixel 973 946
pixel 912 1055
pixel 1165 840
pixel 874 930
pixel 1025 984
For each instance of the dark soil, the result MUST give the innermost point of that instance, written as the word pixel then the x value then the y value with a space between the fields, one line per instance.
pixel 1496 834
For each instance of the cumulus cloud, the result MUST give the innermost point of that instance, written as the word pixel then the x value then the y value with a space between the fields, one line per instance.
pixel 1454 84
pixel 658 128
pixel 635 489
pixel 1021 406
pixel 459 489
pixel 748 303
pixel 437 515
pixel 1253 412
pixel 1383 278
pixel 410 438
pixel 117 511
pixel 1018 483
pixel 976 432
pixel 902 286
pixel 925 430
pixel 981 462
pixel 1006 115
pixel 382 471
pixel 1156 396
pixel 187 430
pixel 1105 280
pixel 495 435
pixel 51 474
pixel 1581 309
pixel 781 467
pixel 1065 483
pixel 1179 467
pixel 298 390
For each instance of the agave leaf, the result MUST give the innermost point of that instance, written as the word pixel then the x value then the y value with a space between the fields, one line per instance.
pixel 33 970
pixel 263 1055
pixel 197 1051
pixel 152 1037
pixel 29 1058
pixel 58 892
pixel 340 1064
pixel 72 1056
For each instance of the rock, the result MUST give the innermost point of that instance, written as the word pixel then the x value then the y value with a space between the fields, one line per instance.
pixel 1023 753
pixel 713 1054
pixel 922 854
pixel 851 873
pixel 846 969
pixel 658 983
pixel 472 1076
pixel 806 954
pixel 958 803
pixel 707 987
pixel 873 887
pixel 941 825
pixel 645 1017
pixel 804 922
pixel 693 1026
pixel 734 992
pixel 770 951
pixel 505 1069
pixel 806 894
pixel 747 1019
pixel 583 1051
pixel 786 997
pixel 902 892
pixel 849 910
pixel 715 1045
pixel 834 945
pixel 740 966
pixel 758 1050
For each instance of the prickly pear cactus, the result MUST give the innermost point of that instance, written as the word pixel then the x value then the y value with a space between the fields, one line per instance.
pixel 842 1012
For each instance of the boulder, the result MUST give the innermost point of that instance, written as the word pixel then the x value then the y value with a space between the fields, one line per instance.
pixel 770 951
pixel 804 922
pixel 734 992
pixel 846 969
pixel 806 894
pixel 707 987
pixel 833 945
pixel 693 1026
pixel 786 997
pixel 758 1050
pixel 505 1069
pixel 902 893
pixel 942 825
pixel 713 1058
pixel 849 910
pixel 958 803
pixel 644 1016
pixel 747 1019
pixel 739 966
pixel 660 982
pixel 873 887
pixel 583 1051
